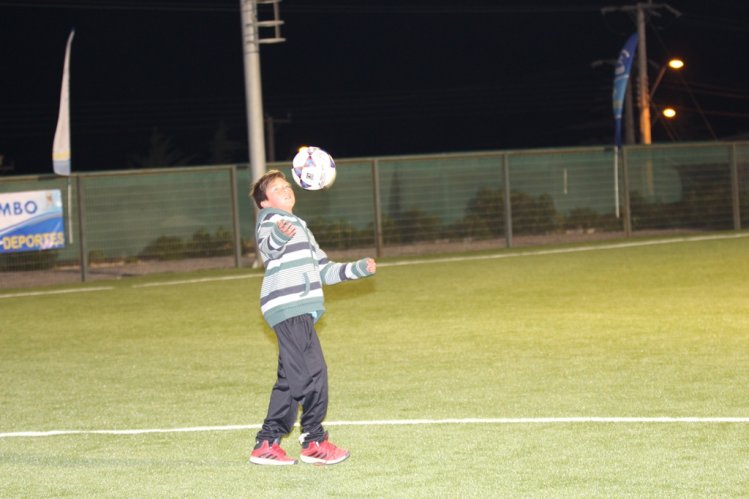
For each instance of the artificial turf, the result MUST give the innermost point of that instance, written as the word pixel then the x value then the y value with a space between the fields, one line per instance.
pixel 639 331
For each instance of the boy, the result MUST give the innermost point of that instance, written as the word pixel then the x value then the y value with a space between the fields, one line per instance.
pixel 291 300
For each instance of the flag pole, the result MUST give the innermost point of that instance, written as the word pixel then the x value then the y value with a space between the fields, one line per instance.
pixel 621 79
pixel 70 208
pixel 616 180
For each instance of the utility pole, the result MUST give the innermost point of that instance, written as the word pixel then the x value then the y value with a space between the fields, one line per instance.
pixel 643 90
pixel 253 83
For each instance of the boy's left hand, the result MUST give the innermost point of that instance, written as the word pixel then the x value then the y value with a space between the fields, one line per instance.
pixel 286 227
pixel 371 266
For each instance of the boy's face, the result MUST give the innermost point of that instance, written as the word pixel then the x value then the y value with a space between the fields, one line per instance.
pixel 280 195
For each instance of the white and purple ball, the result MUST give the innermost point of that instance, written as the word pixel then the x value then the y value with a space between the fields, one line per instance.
pixel 313 169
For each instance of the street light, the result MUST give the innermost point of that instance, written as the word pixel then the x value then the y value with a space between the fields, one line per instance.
pixel 647 96
pixel 645 125
pixel 675 64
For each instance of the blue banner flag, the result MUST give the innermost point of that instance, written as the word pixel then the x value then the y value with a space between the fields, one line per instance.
pixel 61 145
pixel 621 78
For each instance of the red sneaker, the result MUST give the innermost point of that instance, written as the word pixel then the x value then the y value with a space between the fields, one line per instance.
pixel 323 453
pixel 270 453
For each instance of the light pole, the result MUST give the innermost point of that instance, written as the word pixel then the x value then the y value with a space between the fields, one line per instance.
pixel 253 87
pixel 645 119
pixel 675 64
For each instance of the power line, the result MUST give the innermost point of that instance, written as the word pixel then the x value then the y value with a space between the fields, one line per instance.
pixel 319 8
pixel 128 6
pixel 468 100
pixel 722 24
pixel 714 90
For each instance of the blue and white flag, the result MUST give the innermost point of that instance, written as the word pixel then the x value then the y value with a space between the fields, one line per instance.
pixel 621 78
pixel 61 145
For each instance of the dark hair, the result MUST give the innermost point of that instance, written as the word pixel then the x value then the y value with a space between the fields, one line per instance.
pixel 258 188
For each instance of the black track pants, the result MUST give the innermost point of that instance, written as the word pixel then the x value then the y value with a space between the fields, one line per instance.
pixel 302 379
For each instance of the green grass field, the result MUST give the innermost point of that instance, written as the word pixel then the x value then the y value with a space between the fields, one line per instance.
pixel 639 331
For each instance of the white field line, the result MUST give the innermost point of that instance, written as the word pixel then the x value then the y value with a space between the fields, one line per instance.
pixel 402 422
pixel 148 285
pixel 557 251
pixel 633 244
pixel 414 262
pixel 194 281
pixel 58 292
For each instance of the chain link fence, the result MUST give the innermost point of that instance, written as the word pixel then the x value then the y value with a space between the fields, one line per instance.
pixel 173 219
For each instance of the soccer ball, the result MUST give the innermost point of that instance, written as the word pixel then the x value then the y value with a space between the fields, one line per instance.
pixel 313 169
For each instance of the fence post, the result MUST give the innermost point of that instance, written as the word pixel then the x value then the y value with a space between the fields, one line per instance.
pixel 625 194
pixel 235 215
pixel 377 208
pixel 508 201
pixel 735 199
pixel 83 253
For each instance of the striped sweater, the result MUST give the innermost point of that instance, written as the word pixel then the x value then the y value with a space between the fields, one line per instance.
pixel 296 269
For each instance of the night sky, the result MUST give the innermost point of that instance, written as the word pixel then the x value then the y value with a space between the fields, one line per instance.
pixel 358 78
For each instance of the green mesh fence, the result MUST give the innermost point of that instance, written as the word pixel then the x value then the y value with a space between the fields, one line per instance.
pixel 439 198
pixel 138 221
pixel 246 207
pixel 341 217
pixel 571 190
pixel 680 187
pixel 159 215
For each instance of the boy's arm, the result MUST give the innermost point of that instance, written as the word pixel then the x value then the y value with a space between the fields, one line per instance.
pixel 333 273
pixel 272 235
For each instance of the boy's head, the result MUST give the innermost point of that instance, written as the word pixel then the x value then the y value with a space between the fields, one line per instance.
pixel 272 190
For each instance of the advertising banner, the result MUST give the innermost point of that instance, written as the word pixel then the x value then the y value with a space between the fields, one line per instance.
pixel 31 221
pixel 621 78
